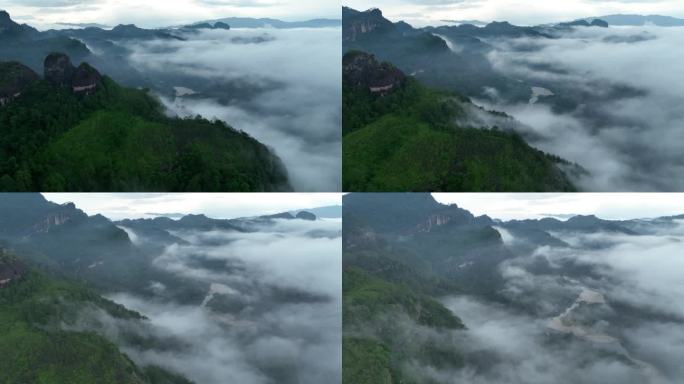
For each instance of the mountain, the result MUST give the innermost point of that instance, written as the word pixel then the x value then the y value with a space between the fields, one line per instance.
pixel 63 239
pixel 588 224
pixel 15 78
pixel 42 343
pixel 329 212
pixel 9 28
pixel 586 23
pixel 161 229
pixel 216 25
pixel 78 116
pixel 428 286
pixel 355 24
pixel 393 274
pixel 640 20
pixel 60 330
pixel 119 32
pixel 24 44
pixel 247 22
pixel 399 135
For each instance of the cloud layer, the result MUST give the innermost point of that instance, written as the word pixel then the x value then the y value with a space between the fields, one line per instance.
pixel 618 294
pixel 254 308
pixel 163 13
pixel 626 130
pixel 286 91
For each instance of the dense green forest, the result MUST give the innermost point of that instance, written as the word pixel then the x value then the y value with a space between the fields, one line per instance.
pixel 119 139
pixel 410 140
pixel 45 342
pixel 394 272
pixel 382 308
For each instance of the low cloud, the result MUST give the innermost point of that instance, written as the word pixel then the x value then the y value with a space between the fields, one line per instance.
pixel 254 308
pixel 283 88
pixel 626 129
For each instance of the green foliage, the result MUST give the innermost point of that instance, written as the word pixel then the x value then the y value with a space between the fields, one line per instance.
pixel 35 314
pixel 157 375
pixel 409 141
pixel 365 361
pixel 118 139
pixel 377 344
pixel 367 297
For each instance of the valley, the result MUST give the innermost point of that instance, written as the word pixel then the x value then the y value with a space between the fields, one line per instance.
pixel 168 301
pixel 581 90
pixel 537 300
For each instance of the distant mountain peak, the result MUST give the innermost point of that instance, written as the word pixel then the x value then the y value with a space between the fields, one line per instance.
pixel 126 27
pixel 9 26
pixel 304 215
pixel 355 24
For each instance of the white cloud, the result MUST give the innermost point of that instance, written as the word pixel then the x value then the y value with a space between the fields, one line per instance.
pixel 524 12
pixel 159 13
pixel 118 206
pixel 508 206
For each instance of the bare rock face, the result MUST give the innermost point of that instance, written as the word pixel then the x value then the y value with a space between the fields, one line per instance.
pixel 60 72
pixel 86 79
pixel 14 79
pixel 58 69
pixel 355 24
pixel 360 69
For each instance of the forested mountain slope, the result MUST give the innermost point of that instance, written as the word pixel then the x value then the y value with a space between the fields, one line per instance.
pixel 44 337
pixel 75 130
pixel 400 135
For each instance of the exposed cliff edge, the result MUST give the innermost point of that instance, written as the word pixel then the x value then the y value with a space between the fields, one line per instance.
pixel 362 70
pixel 60 71
pixel 14 79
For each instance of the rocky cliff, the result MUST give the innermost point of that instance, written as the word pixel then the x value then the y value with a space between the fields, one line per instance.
pixel 355 24
pixel 14 79
pixel 58 70
pixel 61 72
pixel 362 70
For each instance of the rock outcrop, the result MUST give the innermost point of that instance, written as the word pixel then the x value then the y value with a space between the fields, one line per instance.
pixel 355 24
pixel 15 78
pixel 86 79
pixel 61 72
pixel 66 213
pixel 362 70
pixel 58 69
pixel 11 269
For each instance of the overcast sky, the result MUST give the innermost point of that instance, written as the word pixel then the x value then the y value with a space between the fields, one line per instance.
pixel 117 206
pixel 508 206
pixel 157 13
pixel 523 12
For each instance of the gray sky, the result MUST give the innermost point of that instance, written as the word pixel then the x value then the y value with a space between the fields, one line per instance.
pixel 156 13
pixel 424 12
pixel 117 206
pixel 508 206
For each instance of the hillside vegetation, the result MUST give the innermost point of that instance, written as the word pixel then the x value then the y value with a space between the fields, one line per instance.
pixel 119 139
pixel 39 316
pixel 411 140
